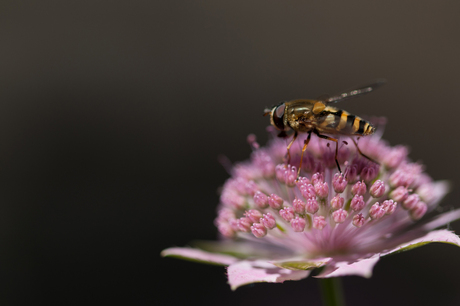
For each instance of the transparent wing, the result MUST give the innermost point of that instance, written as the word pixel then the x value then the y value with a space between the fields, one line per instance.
pixel 361 90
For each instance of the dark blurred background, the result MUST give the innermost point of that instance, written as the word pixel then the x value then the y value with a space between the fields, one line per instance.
pixel 113 113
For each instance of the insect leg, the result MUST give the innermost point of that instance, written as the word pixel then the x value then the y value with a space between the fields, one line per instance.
pixel 364 155
pixel 336 146
pixel 289 147
pixel 303 150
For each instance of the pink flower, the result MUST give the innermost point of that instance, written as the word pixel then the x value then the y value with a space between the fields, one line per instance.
pixel 275 228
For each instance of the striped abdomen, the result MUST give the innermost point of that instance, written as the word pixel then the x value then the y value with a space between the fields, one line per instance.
pixel 337 121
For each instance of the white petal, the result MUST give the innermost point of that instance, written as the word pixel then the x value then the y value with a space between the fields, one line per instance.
pixel 361 267
pixel 435 192
pixel 444 236
pixel 257 271
pixel 199 255
pixel 442 219
pixel 419 232
pixel 242 249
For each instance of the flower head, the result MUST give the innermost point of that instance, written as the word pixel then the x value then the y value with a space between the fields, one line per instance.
pixel 279 227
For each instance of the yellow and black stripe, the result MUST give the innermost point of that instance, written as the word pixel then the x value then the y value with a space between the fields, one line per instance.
pixel 342 122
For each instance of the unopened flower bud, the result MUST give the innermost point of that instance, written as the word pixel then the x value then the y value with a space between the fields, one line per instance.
pixel 275 201
pixel 369 173
pixel 279 172
pixel 319 222
pixel 253 214
pixel 302 181
pixel 234 224
pixel 250 188
pixel 418 211
pixel 339 183
pixel 261 200
pixel 298 224
pixel 311 206
pixel 308 191
pixel 287 213
pixel 337 202
pixel 352 174
pixel 224 214
pixel 317 178
pixel 321 190
pixel 299 206
pixel 358 220
pixel 377 189
pixel 258 230
pixel 400 178
pixel 376 211
pixel 389 206
pixel 233 200
pixel 359 188
pixel 399 194
pixel 357 203
pixel 411 201
pixel 286 174
pixel 268 221
pixel 339 215
pixel 244 224
pixel 395 156
pixel 226 230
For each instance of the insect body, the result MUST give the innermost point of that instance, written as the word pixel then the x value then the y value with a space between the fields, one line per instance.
pixel 316 116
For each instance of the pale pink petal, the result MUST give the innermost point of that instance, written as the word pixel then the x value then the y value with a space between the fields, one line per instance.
pixel 199 255
pixel 242 249
pixel 444 236
pixel 442 219
pixel 361 267
pixel 248 272
pixel 437 192
pixel 418 232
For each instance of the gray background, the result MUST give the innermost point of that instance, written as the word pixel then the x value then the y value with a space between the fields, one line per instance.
pixel 113 113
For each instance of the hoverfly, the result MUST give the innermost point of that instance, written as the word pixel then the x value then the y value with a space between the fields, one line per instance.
pixel 317 117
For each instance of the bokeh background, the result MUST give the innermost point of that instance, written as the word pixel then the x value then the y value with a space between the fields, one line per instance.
pixel 113 114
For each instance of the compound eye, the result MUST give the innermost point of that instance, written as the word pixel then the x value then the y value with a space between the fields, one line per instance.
pixel 278 116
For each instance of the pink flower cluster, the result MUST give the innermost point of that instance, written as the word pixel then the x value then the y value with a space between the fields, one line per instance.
pixel 283 226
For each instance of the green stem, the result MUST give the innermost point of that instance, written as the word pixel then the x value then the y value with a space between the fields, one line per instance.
pixel 331 291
